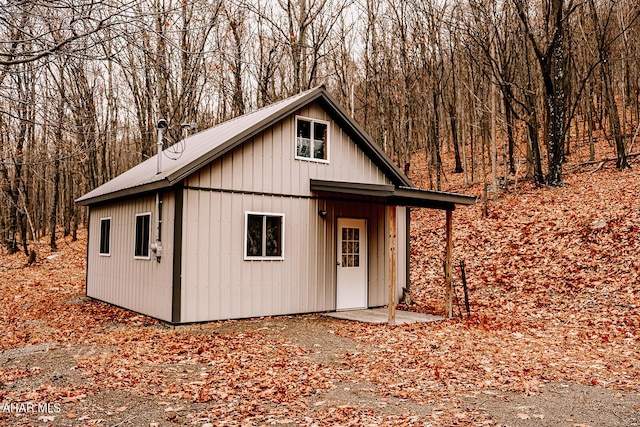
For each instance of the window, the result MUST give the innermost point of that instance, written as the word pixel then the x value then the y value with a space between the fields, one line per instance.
pixel 105 236
pixel 143 223
pixel 264 236
pixel 350 247
pixel 312 139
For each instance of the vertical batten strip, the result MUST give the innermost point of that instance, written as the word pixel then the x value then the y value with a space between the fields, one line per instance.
pixel 177 255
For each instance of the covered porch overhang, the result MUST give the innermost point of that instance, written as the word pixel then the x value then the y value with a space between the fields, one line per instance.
pixel 393 196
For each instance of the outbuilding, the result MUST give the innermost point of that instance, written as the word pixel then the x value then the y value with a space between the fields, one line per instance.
pixel 288 209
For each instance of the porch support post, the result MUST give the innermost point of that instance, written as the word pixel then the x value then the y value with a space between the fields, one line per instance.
pixel 447 266
pixel 391 214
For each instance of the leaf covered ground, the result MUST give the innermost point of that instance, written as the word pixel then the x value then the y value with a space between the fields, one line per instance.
pixel 554 277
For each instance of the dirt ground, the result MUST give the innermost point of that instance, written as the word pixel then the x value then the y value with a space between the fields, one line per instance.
pixel 554 404
pixel 553 340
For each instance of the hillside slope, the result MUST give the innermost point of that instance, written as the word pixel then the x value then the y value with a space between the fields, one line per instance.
pixel 554 278
pixel 542 252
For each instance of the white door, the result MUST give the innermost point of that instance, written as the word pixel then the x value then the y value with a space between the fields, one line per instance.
pixel 351 264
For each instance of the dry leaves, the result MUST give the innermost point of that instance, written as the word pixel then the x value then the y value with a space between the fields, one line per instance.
pixel 555 293
pixel 553 298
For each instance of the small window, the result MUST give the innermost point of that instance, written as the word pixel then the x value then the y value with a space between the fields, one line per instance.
pixel 312 139
pixel 143 223
pixel 105 236
pixel 264 236
pixel 350 247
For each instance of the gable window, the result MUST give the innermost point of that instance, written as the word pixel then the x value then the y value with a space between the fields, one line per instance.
pixel 312 139
pixel 143 224
pixel 105 236
pixel 264 236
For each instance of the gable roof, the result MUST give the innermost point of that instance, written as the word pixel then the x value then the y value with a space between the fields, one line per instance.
pixel 208 145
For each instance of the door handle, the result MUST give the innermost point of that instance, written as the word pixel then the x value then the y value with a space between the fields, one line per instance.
pixel 337 262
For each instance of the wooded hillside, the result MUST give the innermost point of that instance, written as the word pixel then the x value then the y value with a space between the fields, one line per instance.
pixel 510 87
pixel 554 281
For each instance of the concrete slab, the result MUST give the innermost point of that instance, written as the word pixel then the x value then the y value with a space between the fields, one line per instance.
pixel 381 315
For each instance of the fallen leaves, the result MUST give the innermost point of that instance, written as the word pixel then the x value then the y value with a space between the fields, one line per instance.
pixel 73 398
pixel 9 376
pixel 555 297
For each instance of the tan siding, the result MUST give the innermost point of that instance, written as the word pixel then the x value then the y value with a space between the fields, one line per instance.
pixel 144 286
pixel 378 260
pixel 382 294
pixel 267 162
pixel 217 283
pixel 203 252
pixel 223 285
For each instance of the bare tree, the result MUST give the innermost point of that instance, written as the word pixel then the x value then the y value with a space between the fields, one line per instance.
pixel 82 84
pixel 549 47
pixel 606 33
pixel 40 28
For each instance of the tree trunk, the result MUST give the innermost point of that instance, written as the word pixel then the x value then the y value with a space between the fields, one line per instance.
pixel 590 126
pixel 556 116
pixel 552 61
pixel 508 113
pixel 611 110
pixel 533 136
pixel 53 217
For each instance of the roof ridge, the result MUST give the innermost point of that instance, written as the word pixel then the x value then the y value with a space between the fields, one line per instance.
pixel 276 103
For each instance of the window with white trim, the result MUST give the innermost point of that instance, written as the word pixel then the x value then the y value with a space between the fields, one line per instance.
pixel 264 236
pixel 105 236
pixel 143 232
pixel 312 139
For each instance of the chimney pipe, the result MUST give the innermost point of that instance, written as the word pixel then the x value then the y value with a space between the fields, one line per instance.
pixel 162 126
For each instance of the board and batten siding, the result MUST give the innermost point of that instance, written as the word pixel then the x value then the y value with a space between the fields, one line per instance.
pixel 144 286
pixel 263 175
pixel 218 283
pixel 267 164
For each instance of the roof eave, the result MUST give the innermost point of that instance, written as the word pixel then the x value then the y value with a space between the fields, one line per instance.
pixel 401 196
pixel 420 203
pixel 127 192
pixel 354 188
pixel 435 196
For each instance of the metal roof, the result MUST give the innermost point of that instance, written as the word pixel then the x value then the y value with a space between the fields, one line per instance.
pixel 206 146
pixel 403 196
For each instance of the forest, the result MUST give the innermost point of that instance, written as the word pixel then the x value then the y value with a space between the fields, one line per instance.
pixel 510 88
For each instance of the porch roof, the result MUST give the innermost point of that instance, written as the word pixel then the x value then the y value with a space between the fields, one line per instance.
pixel 392 195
